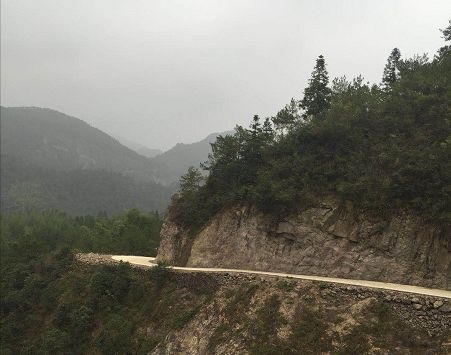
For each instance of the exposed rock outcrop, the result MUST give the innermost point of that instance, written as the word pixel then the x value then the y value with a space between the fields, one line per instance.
pixel 329 240
pixel 175 244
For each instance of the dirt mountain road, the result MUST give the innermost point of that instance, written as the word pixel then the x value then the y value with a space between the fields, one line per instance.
pixel 149 261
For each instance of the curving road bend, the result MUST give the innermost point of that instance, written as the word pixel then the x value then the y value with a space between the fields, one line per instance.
pixel 149 261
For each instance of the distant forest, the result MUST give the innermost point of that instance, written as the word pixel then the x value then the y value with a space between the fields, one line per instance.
pixel 77 192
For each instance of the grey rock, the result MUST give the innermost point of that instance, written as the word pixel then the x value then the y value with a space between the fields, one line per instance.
pixel 329 240
pixel 438 304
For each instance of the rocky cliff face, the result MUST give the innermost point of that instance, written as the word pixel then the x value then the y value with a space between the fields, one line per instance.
pixel 328 240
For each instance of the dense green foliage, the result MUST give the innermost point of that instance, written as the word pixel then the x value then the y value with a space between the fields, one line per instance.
pixel 49 304
pixel 54 305
pixel 391 70
pixel 76 192
pixel 382 149
pixel 317 94
pixel 28 236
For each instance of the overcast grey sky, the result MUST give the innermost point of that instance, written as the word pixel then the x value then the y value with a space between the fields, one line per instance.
pixel 163 71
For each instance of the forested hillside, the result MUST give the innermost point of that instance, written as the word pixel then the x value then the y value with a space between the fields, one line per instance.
pixel 77 192
pixel 51 139
pixel 377 148
pixel 53 161
pixel 40 284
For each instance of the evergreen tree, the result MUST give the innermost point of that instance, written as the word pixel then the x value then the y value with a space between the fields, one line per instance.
pixel 268 132
pixel 191 181
pixel 317 94
pixel 445 50
pixel 447 32
pixel 391 70
pixel 287 117
pixel 255 127
pixel 254 144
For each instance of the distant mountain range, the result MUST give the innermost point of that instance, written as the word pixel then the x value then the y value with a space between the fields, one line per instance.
pixel 139 148
pixel 52 160
pixel 180 157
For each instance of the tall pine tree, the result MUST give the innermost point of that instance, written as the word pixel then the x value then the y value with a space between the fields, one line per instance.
pixel 317 95
pixel 391 70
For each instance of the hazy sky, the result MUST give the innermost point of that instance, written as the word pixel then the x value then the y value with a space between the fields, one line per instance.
pixel 164 71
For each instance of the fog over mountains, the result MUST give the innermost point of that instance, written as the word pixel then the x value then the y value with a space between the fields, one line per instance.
pixel 138 147
pixel 52 160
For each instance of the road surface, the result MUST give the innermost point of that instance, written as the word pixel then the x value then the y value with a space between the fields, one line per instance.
pixel 149 261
